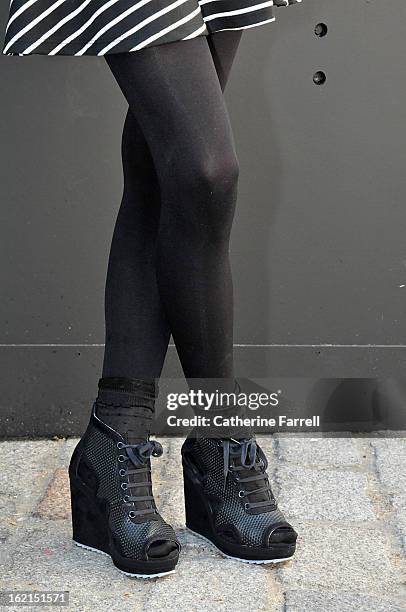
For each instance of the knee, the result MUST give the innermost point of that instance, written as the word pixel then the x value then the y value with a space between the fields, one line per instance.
pixel 217 175
pixel 211 187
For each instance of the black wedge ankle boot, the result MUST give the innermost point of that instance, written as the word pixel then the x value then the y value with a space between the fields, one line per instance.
pixel 228 500
pixel 113 509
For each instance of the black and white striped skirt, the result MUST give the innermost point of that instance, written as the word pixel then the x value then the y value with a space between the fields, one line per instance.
pixel 99 27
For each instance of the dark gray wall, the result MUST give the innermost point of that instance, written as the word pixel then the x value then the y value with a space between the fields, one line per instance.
pixel 319 254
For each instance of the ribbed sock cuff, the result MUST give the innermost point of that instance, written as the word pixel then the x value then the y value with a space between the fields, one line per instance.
pixel 133 386
pixel 127 405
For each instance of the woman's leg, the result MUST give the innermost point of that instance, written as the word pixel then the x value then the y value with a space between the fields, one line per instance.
pixel 137 333
pixel 175 96
pixel 137 330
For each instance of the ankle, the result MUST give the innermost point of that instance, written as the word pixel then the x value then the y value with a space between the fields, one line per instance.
pixel 127 405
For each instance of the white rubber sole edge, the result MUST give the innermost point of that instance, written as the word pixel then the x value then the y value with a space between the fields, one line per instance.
pixel 252 561
pixel 143 576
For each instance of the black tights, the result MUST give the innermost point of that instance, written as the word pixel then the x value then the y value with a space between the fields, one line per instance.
pixel 169 269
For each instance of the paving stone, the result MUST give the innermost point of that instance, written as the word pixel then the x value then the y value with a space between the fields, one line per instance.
pixel 399 505
pixel 5 547
pixel 169 466
pixel 193 544
pixel 204 585
pixel 334 556
pixel 82 599
pixel 320 452
pixel 174 446
pixel 56 502
pixel 26 468
pixel 70 445
pixel 390 463
pixel 170 501
pixel 316 601
pixel 46 559
pixel 323 494
pixel 8 509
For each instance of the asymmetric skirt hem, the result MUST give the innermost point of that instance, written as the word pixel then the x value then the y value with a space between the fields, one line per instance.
pixel 101 27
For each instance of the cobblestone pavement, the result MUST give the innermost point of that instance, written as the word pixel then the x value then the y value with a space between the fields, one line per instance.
pixel 346 498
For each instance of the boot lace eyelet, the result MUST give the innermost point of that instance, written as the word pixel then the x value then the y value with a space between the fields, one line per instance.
pixel 247 506
pixel 122 473
pixel 241 493
pixel 126 499
pixel 120 445
pixel 124 486
pixel 131 514
pixel 121 458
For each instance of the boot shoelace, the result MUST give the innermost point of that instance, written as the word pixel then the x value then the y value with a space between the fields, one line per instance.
pixel 138 455
pixel 248 456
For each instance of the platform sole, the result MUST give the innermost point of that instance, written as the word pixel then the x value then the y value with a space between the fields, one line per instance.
pixel 226 556
pixel 131 575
